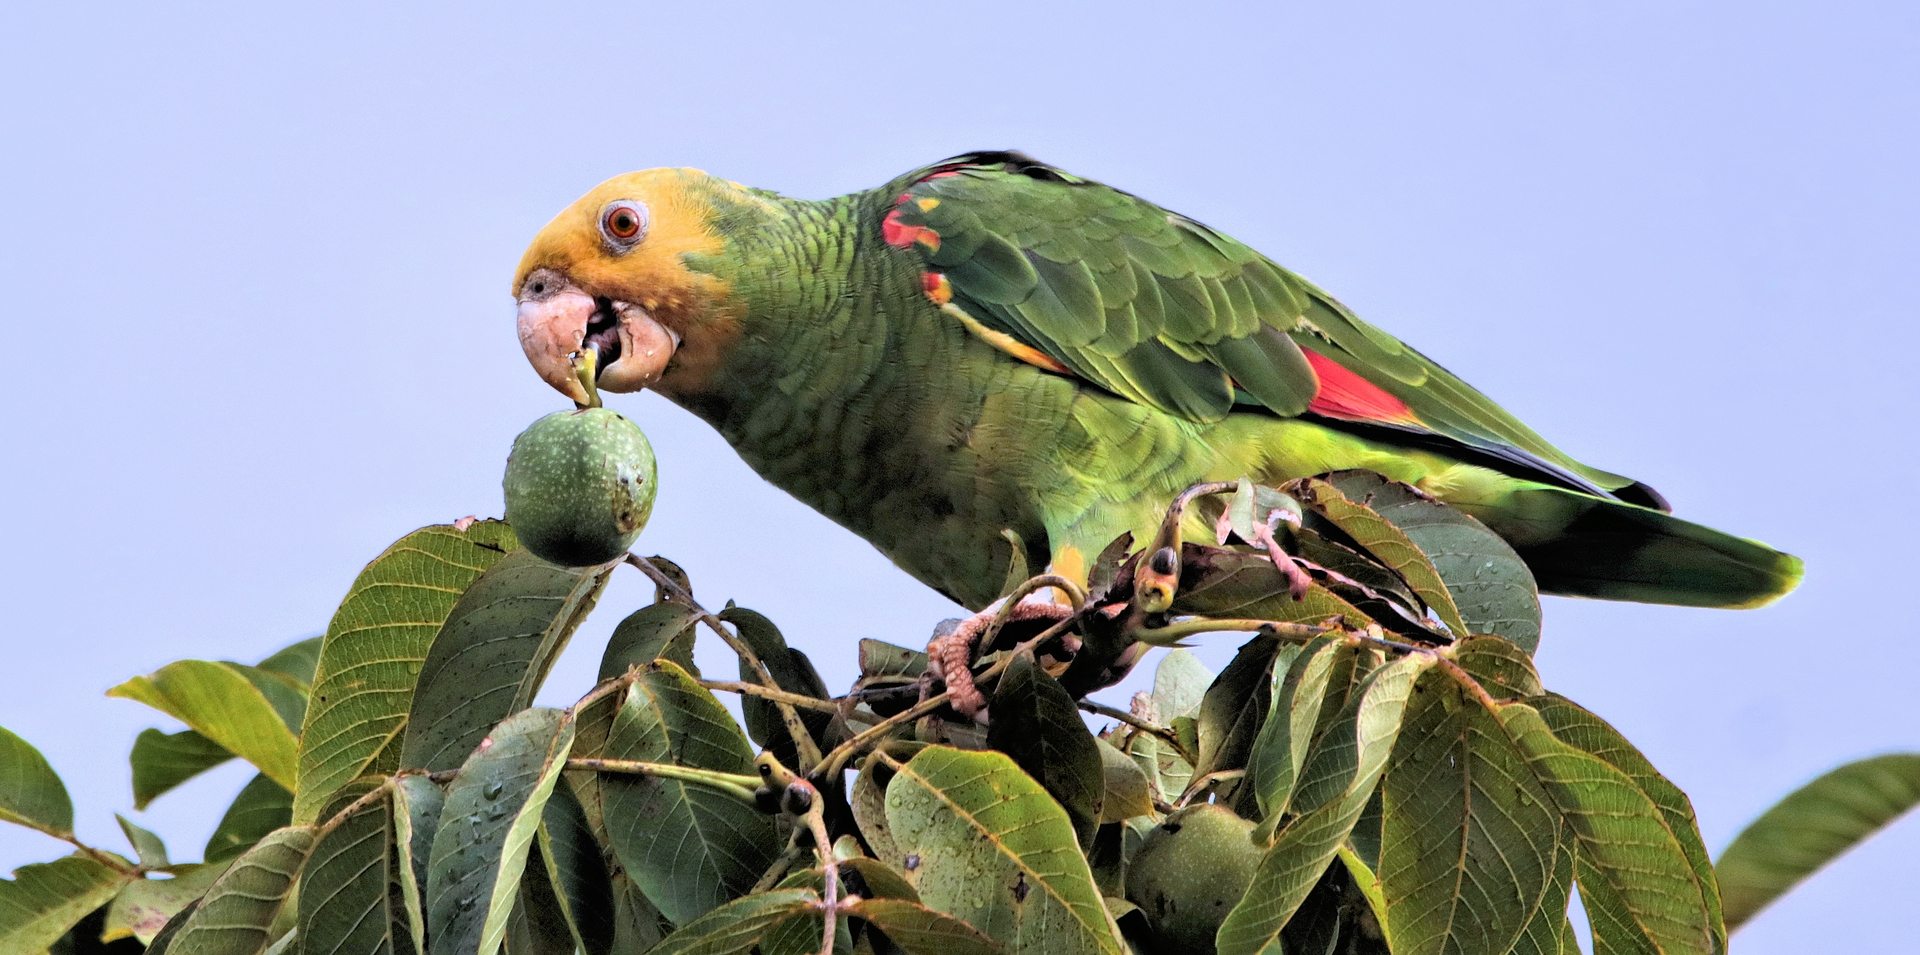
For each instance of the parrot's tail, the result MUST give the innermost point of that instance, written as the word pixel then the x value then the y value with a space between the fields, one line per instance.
pixel 1583 546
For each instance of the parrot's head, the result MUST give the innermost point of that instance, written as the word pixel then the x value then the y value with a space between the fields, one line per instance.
pixel 630 283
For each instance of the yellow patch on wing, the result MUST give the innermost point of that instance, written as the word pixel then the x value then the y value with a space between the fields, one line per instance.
pixel 927 204
pixel 1005 342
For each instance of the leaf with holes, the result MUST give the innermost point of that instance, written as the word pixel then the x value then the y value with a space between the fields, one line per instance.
pixel 987 845
pixel 374 647
pixel 492 654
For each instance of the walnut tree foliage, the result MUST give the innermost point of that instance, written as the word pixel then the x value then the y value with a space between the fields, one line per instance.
pixel 1379 769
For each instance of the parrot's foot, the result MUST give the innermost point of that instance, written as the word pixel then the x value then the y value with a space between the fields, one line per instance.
pixel 950 654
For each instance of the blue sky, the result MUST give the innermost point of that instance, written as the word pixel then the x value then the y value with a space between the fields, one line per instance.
pixel 1677 238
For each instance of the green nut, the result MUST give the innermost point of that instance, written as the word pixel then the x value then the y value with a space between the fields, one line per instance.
pixel 580 485
pixel 1189 873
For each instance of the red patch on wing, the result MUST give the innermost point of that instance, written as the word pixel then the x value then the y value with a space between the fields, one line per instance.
pixel 1348 396
pixel 900 234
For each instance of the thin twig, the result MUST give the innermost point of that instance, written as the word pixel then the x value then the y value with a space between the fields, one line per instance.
pixel 372 796
pixel 754 689
pixel 802 740
pixel 1198 786
pixel 1123 716
pixel 1301 632
pixel 101 856
pixel 733 784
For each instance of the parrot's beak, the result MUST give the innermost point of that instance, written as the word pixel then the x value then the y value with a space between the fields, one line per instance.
pixel 559 323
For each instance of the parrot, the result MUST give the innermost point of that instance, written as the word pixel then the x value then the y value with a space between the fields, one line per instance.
pixel 991 354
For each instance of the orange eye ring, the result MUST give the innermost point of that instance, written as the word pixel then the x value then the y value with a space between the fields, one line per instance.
pixel 623 223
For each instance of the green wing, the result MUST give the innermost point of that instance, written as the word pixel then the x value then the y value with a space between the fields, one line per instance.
pixel 1162 310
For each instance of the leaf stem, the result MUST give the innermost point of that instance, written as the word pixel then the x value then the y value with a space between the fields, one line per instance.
pixel 1123 716
pixel 733 784
pixel 1299 632
pixel 754 689
pixel 802 740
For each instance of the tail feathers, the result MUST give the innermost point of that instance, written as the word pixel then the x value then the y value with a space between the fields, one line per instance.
pixel 1583 546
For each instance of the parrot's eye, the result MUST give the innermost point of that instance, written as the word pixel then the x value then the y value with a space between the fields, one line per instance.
pixel 623 223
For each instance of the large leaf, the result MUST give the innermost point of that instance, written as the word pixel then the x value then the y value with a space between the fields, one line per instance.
pixel 1550 932
pixel 162 761
pixel 1128 791
pixel 1345 765
pixel 261 807
pixel 1179 683
pixel 493 653
pixel 1636 883
pixel 417 803
pixel 582 888
pixel 1812 827
pixel 1279 752
pixel 375 645
pixel 237 915
pixel 688 847
pixel 31 793
pixel 1504 670
pixel 1389 544
pixel 985 843
pixel 491 814
pixel 1584 731
pixel 145 906
pixel 1468 844
pixel 1235 705
pixel 738 925
pixel 224 705
pixel 1036 722
pixel 350 900
pixel 43 900
pixel 297 660
pixel 923 931
pixel 654 632
pixel 1491 585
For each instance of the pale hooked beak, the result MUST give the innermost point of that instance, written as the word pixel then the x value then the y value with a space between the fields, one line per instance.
pixel 558 323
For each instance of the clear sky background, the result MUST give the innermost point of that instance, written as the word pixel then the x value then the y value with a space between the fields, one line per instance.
pixel 258 326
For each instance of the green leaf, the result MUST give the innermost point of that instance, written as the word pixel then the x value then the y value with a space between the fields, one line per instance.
pixel 1490 584
pixel 868 800
pixel 374 647
pixel 1179 684
pixel 577 871
pixel 923 931
pixel 1128 792
pixel 296 660
pixel 1235 705
pixel 1584 731
pixel 31 793
pixel 261 807
pixel 738 925
pixel 286 695
pixel 43 900
pixel 493 653
pixel 688 847
pixel 985 844
pixel 161 941
pixel 151 851
pixel 883 881
pixel 662 631
pixel 348 902
pixel 236 917
pixel 146 905
pixel 1504 670
pixel 417 803
pixel 879 658
pixel 1635 881
pixel 162 761
pixel 492 811
pixel 1811 827
pixel 1345 764
pixel 1550 932
pixel 220 701
pixel 1389 544
pixel 1468 844
pixel 791 670
pixel 1279 752
pixel 1036 722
